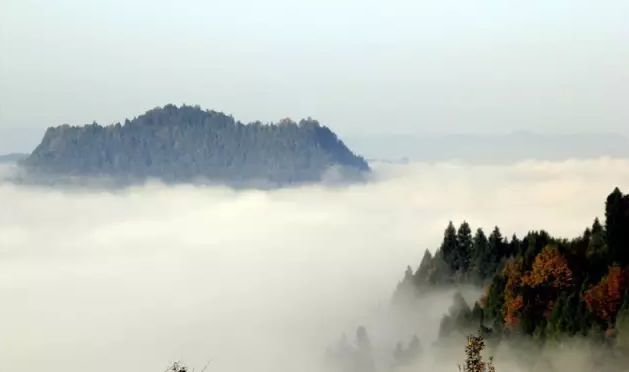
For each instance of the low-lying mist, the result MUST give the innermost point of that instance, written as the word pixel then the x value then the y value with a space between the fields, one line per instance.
pixel 253 280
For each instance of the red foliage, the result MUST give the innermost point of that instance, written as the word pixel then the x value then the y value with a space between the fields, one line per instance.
pixel 604 298
pixel 549 275
pixel 512 310
pixel 513 299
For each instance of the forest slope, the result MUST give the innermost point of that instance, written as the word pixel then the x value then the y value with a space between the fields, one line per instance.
pixel 186 144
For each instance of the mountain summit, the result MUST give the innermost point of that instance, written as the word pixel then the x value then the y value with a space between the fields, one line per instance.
pixel 179 144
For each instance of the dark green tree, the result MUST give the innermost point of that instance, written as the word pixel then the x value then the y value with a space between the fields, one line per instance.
pixel 495 300
pixel 514 246
pixel 424 270
pixel 617 226
pixel 535 242
pixel 557 324
pixel 478 315
pixel 463 247
pixel 597 253
pixel 480 255
pixel 495 243
pixel 441 272
pixel 449 247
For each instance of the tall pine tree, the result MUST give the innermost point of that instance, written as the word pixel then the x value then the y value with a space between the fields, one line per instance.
pixel 464 246
pixel 617 226
pixel 449 247
pixel 479 256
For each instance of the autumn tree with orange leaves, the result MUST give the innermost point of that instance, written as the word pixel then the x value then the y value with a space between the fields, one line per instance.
pixel 550 270
pixel 604 298
pixel 539 287
pixel 513 298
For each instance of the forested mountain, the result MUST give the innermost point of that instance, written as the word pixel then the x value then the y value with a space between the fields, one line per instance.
pixel 538 285
pixel 186 143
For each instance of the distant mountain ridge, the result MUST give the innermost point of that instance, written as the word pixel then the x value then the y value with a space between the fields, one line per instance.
pixel 187 143
pixel 12 157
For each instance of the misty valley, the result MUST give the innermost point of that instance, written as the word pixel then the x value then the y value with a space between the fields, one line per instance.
pixel 186 237
pixel 314 186
pixel 310 276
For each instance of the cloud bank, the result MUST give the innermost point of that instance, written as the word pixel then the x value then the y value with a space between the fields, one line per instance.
pixel 132 279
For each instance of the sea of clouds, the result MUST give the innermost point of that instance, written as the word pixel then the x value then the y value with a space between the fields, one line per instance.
pixel 254 280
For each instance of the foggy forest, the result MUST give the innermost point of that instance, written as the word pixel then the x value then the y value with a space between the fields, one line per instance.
pixel 314 186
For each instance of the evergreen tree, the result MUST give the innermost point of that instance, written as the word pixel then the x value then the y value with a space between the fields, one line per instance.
pixel 426 266
pixel 440 273
pixel 477 314
pixel 495 243
pixel 536 242
pixel 494 303
pixel 464 247
pixel 406 288
pixel 573 310
pixel 449 247
pixel 557 321
pixel 597 236
pixel 408 274
pixel 596 253
pixel 514 246
pixel 479 256
pixel 617 226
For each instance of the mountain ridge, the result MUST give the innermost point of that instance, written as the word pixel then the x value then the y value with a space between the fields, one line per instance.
pixel 186 143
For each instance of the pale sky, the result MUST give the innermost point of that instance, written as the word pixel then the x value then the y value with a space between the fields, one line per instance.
pixel 399 66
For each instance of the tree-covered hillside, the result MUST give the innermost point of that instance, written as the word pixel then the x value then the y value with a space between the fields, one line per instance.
pixel 537 285
pixel 186 143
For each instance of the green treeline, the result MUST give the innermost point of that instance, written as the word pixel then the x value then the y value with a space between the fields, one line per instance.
pixel 536 285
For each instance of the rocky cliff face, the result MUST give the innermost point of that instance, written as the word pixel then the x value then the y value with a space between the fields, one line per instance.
pixel 179 144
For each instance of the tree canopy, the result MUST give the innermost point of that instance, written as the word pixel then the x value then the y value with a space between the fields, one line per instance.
pixel 538 285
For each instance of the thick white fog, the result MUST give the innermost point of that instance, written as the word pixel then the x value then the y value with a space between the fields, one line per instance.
pixel 130 280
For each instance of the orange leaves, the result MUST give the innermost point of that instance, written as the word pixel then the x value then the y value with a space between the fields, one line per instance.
pixel 538 288
pixel 513 300
pixel 513 273
pixel 604 299
pixel 512 311
pixel 550 269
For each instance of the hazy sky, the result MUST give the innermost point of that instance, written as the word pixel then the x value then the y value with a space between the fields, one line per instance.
pixel 400 66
